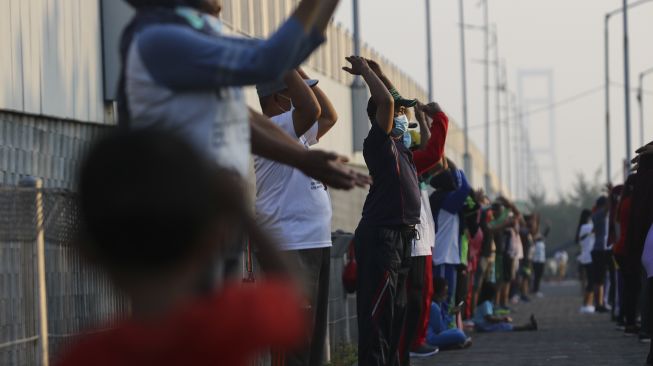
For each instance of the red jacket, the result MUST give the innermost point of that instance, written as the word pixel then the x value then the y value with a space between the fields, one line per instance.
pixel 426 159
pixel 231 328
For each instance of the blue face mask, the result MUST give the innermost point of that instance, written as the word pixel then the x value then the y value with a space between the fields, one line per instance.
pixel 408 140
pixel 400 126
pixel 214 23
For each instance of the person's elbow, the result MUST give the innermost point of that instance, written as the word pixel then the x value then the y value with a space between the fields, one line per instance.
pixel 314 112
pixel 329 118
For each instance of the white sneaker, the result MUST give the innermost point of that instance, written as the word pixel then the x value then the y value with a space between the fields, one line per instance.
pixel 539 295
pixel 587 309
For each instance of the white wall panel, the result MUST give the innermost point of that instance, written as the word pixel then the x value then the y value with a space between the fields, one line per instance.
pixel 7 47
pixel 31 28
pixel 51 58
pixel 54 91
pixel 17 56
pixel 92 56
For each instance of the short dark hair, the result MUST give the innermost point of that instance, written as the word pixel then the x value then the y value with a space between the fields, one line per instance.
pixel 146 198
pixel 488 292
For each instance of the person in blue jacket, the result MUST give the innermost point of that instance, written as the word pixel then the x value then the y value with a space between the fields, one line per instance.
pixel 439 333
pixel 451 191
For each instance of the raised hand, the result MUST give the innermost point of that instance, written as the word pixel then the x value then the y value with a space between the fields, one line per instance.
pixel 374 66
pixel 358 65
pixel 330 169
pixel 431 108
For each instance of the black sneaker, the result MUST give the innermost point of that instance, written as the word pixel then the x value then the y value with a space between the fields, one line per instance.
pixel 468 343
pixel 602 309
pixel 424 351
pixel 533 322
pixel 644 338
pixel 631 330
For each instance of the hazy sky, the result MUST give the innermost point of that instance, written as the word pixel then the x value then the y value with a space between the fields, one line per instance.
pixel 565 36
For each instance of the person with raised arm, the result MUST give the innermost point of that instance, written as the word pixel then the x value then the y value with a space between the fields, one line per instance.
pixel 179 72
pixel 296 209
pixel 386 232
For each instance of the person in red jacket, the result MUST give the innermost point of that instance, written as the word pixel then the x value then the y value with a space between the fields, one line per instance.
pixel 427 157
pixel 154 215
pixel 433 124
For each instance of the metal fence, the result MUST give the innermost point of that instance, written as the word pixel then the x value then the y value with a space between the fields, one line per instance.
pixel 47 294
pixel 343 327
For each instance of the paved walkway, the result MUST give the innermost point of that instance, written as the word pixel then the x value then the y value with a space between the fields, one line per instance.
pixel 565 338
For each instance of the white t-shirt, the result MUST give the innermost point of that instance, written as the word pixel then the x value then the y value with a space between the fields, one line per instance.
pixel 425 229
pixel 586 244
pixel 539 253
pixel 515 249
pixel 294 208
pixel 447 248
pixel 647 256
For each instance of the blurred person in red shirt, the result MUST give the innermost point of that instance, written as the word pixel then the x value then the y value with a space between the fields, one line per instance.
pixel 154 215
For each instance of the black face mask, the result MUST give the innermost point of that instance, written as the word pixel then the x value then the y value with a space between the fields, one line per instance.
pixel 444 181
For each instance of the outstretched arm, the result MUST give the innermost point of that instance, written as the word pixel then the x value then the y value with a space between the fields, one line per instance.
pixel 271 142
pixel 315 14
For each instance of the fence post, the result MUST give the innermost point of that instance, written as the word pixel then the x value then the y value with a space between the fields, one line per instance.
pixel 40 258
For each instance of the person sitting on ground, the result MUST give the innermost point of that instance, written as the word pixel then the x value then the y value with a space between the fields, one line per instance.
pixel 486 321
pixel 439 333
pixel 154 214
pixel 585 238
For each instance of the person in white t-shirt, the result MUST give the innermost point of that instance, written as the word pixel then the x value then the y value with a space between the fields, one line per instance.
pixel 585 238
pixel 294 208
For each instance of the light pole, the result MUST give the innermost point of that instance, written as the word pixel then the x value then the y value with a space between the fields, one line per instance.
pixel 640 101
pixel 358 90
pixel 499 88
pixel 606 34
pixel 429 50
pixel 487 30
pixel 463 65
pixel 627 80
pixel 488 183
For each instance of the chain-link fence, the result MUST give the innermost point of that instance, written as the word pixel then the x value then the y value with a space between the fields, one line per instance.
pixel 343 328
pixel 47 294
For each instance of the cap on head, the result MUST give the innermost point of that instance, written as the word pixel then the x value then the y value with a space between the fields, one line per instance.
pixel 401 101
pixel 267 89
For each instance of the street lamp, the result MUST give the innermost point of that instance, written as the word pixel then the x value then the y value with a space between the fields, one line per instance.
pixel 640 101
pixel 466 158
pixel 429 51
pixel 606 33
pixel 490 30
pixel 626 84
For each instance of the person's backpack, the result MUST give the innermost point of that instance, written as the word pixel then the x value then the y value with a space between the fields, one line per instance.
pixel 349 272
